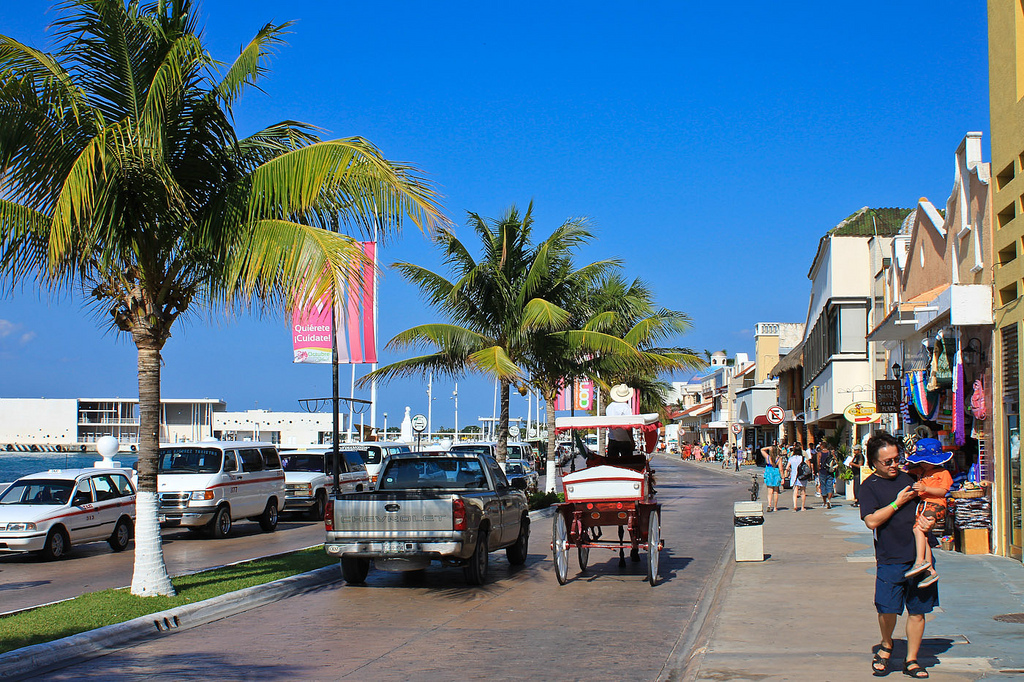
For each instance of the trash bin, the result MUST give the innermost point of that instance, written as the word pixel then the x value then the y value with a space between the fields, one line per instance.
pixel 748 522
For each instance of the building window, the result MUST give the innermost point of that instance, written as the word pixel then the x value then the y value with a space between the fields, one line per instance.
pixel 1011 361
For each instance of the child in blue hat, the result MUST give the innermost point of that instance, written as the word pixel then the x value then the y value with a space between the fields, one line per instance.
pixel 933 482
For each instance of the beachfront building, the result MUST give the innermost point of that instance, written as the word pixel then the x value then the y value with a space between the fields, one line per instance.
pixel 46 423
pixel 281 428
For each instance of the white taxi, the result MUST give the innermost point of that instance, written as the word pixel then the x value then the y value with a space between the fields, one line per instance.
pixel 50 511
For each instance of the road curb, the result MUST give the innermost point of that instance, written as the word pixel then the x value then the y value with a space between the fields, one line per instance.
pixel 38 658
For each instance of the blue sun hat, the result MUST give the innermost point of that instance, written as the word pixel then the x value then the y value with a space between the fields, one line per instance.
pixel 929 450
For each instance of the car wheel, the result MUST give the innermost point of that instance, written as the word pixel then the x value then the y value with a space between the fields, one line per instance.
pixel 518 552
pixel 122 534
pixel 316 512
pixel 221 524
pixel 57 545
pixel 268 519
pixel 354 569
pixel 476 569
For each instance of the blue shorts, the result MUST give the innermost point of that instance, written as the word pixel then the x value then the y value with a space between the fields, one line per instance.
pixel 828 484
pixel 893 591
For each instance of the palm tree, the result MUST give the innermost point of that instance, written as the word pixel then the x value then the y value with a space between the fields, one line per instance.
pixel 121 175
pixel 496 304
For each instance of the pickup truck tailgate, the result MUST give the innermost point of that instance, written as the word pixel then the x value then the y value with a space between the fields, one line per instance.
pixel 380 514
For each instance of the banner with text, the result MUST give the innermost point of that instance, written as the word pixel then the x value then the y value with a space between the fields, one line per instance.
pixel 357 343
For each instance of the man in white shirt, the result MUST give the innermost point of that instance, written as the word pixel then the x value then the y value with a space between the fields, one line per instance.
pixel 620 441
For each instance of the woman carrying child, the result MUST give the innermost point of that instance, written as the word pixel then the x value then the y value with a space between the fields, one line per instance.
pixel 933 482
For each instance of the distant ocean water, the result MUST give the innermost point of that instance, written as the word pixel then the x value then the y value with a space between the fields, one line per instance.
pixel 14 465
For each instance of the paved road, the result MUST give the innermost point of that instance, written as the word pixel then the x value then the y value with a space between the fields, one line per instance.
pixel 608 624
pixel 26 580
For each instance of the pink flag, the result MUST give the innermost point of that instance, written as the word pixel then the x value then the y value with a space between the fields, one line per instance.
pixel 311 332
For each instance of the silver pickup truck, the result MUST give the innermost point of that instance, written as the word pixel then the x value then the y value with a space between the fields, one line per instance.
pixel 452 508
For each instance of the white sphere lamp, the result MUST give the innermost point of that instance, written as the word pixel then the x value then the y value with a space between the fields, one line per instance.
pixel 107 446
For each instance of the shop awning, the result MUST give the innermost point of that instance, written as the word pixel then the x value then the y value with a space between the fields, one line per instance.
pixel 792 360
pixel 761 420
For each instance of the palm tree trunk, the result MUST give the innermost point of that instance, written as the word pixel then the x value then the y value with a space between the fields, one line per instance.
pixel 149 578
pixel 549 417
pixel 501 450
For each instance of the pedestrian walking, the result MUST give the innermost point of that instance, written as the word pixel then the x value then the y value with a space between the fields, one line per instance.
pixel 856 462
pixel 885 507
pixel 827 465
pixel 933 482
pixel 799 472
pixel 772 476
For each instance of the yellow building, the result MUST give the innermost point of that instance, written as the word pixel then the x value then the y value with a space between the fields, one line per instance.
pixel 1006 92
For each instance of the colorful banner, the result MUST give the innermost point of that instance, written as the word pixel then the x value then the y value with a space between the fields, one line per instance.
pixel 311 332
pixel 583 398
pixel 357 342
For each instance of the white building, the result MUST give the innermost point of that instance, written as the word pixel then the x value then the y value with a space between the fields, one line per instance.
pixel 847 299
pixel 45 423
pixel 283 428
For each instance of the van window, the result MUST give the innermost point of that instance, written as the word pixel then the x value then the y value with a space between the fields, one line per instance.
pixel 189 460
pixel 251 459
pixel 473 449
pixel 270 458
pixel 230 463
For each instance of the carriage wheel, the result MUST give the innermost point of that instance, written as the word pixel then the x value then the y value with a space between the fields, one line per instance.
pixel 560 548
pixel 653 555
pixel 583 553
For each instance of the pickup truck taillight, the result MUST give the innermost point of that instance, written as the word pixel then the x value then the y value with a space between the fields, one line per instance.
pixel 329 516
pixel 458 514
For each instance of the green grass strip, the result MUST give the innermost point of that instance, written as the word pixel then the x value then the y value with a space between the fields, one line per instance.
pixel 107 607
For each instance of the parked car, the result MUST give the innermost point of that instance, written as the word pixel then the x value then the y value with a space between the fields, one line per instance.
pixel 520 468
pixel 52 511
pixel 309 478
pixel 513 450
pixel 453 508
pixel 209 485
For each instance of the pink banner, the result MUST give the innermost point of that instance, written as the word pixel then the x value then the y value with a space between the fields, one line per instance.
pixel 584 396
pixel 357 342
pixel 311 332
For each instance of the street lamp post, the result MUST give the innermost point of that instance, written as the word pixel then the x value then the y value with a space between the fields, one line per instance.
pixel 385 426
pixel 455 397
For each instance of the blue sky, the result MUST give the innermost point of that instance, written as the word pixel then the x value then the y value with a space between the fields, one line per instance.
pixel 710 145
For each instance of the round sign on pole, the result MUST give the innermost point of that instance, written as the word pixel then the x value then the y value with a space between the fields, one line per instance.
pixel 419 423
pixel 775 415
pixel 737 429
pixel 513 431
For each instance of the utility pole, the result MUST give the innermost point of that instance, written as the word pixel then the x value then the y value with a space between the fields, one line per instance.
pixel 455 397
pixel 430 403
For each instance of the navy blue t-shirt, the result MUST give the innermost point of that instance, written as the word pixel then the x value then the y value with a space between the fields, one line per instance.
pixel 894 539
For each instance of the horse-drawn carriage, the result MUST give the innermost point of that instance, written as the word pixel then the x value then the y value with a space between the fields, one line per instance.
pixel 617 492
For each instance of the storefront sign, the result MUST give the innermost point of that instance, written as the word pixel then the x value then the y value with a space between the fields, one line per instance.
pixel 862 412
pixel 888 395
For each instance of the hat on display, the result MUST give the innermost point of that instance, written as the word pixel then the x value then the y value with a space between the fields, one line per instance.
pixel 621 393
pixel 929 450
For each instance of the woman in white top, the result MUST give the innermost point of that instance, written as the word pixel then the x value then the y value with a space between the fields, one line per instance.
pixel 793 470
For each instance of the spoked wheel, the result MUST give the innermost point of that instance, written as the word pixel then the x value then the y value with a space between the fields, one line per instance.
pixel 653 555
pixel 560 548
pixel 583 552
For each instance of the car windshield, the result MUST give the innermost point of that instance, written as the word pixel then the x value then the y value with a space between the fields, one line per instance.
pixel 38 491
pixel 433 473
pixel 514 469
pixel 190 460
pixel 292 462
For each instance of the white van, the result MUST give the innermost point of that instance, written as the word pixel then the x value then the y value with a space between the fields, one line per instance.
pixel 209 485
pixel 373 454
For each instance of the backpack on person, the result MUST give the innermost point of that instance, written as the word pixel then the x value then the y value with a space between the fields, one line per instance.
pixel 830 463
pixel 803 472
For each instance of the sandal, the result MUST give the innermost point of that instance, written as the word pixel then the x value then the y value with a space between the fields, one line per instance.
pixel 913 669
pixel 880 665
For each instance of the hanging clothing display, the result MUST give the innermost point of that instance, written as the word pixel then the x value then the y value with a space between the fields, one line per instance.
pixel 959 431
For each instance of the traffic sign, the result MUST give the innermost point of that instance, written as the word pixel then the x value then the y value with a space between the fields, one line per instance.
pixel 419 423
pixel 737 429
pixel 775 415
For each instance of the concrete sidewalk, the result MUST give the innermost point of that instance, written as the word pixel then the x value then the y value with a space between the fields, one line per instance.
pixel 806 612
